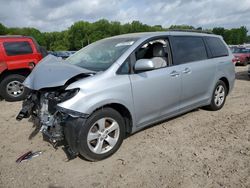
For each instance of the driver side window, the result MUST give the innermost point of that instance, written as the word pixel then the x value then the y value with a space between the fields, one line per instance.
pixel 157 51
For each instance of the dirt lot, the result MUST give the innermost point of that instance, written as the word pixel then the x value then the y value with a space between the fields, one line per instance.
pixel 198 149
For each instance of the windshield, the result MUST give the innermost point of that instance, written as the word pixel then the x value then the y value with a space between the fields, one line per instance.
pixel 100 55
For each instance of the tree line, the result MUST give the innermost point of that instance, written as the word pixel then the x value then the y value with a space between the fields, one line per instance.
pixel 82 33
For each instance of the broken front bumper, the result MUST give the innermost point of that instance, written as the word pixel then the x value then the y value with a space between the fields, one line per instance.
pixel 63 126
pixel 72 127
pixel 27 108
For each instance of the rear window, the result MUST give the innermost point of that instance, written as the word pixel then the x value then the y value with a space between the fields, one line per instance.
pixel 188 49
pixel 17 48
pixel 240 50
pixel 217 47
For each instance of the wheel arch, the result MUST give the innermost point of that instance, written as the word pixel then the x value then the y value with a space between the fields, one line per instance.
pixel 225 80
pixel 24 72
pixel 125 113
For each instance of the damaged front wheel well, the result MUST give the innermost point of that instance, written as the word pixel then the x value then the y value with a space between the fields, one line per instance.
pixel 124 113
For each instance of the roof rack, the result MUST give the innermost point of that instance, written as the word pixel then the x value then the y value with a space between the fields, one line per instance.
pixel 191 30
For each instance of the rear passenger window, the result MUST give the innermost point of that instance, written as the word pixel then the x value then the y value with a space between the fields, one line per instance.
pixel 188 49
pixel 217 47
pixel 17 48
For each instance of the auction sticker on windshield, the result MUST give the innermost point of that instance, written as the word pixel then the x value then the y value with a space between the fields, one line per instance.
pixel 128 43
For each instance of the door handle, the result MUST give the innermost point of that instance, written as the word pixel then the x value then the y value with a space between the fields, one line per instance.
pixel 187 71
pixel 174 74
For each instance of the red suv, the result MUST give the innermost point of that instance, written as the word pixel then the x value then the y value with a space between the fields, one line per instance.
pixel 18 56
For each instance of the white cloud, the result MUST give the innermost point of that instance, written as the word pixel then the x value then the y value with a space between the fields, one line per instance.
pixel 54 15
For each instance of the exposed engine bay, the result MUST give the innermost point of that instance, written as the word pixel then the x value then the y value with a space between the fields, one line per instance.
pixel 48 90
pixel 41 107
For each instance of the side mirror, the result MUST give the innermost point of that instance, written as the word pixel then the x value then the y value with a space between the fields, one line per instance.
pixel 144 65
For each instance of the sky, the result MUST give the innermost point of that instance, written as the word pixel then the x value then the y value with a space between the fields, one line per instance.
pixel 57 15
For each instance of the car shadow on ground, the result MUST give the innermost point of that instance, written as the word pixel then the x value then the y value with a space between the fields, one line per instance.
pixel 242 76
pixel 164 121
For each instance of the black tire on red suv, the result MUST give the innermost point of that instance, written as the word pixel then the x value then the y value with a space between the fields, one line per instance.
pixel 11 88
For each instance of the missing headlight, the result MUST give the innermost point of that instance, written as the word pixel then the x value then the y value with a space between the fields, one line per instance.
pixel 71 112
pixel 67 94
pixel 59 96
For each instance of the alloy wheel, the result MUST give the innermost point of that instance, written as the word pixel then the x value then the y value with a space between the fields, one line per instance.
pixel 219 95
pixel 103 135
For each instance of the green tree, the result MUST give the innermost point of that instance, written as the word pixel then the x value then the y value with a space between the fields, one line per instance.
pixel 27 31
pixel 78 35
pixel 236 35
pixel 3 29
pixel 181 27
pixel 248 39
pixel 57 41
pixel 219 31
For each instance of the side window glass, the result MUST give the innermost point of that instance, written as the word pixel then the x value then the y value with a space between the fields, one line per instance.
pixel 125 67
pixel 217 47
pixel 188 49
pixel 17 48
pixel 157 51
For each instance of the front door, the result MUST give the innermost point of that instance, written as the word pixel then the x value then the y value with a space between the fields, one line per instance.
pixel 156 94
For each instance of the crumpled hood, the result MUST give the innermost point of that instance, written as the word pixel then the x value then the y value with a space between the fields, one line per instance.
pixel 52 72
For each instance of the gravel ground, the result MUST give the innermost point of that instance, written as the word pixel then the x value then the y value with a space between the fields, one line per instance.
pixel 198 149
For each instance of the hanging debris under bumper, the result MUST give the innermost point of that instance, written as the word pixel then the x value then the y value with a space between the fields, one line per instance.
pixel 58 124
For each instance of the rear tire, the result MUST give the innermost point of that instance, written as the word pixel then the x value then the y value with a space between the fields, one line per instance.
pixel 219 96
pixel 101 135
pixel 11 88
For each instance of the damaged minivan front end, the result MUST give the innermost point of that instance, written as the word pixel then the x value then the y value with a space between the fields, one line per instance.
pixel 42 103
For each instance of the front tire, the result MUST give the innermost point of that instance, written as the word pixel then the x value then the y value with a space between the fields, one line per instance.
pixel 12 89
pixel 219 96
pixel 101 135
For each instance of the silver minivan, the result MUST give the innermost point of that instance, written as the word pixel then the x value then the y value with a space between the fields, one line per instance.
pixel 119 85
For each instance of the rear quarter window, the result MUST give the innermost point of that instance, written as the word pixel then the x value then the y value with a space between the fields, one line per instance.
pixel 187 49
pixel 217 47
pixel 17 48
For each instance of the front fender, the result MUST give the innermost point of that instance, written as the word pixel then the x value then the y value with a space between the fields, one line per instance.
pixel 86 104
pixel 89 99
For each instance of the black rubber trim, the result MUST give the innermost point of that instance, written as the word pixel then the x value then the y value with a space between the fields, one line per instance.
pixel 72 127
